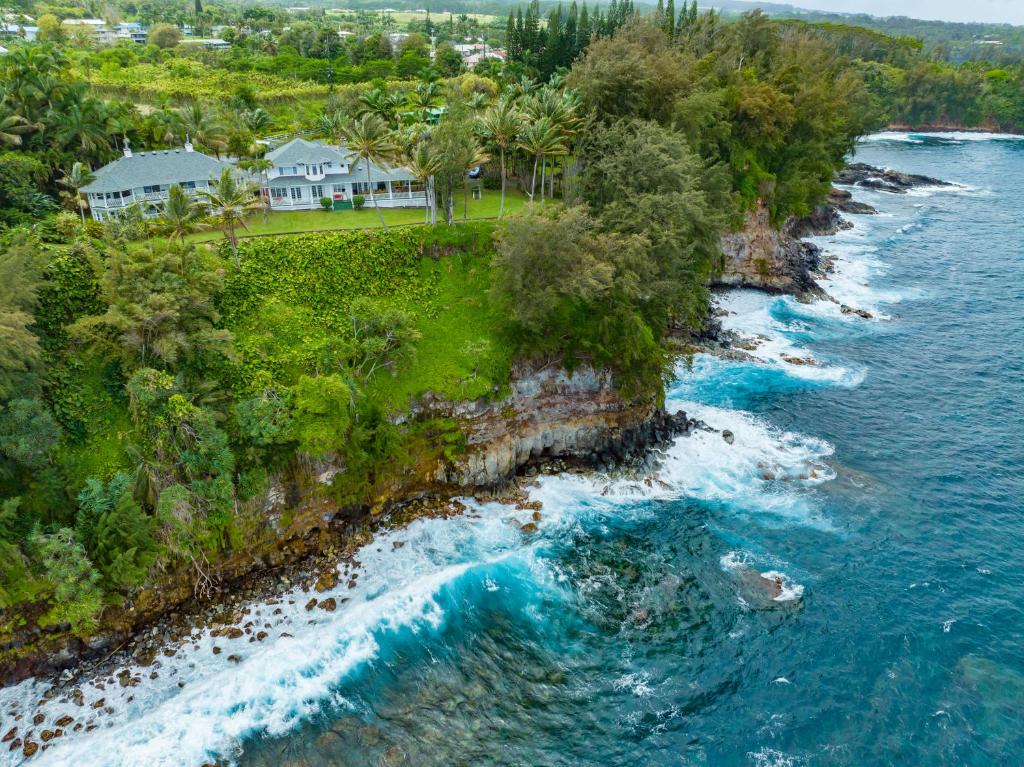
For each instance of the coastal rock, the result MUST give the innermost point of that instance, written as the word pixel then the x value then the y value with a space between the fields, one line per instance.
pixel 728 436
pixel 553 419
pixel 762 256
pixel 884 179
pixel 859 312
pixel 330 604
pixel 327 581
pixel 842 200
pixel 29 749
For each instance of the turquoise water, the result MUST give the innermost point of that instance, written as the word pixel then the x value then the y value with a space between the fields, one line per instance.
pixel 880 488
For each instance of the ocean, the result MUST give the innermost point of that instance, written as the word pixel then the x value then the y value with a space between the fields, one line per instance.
pixel 840 585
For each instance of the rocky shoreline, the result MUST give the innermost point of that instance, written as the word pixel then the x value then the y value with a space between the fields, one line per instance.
pixel 552 421
pixel 885 179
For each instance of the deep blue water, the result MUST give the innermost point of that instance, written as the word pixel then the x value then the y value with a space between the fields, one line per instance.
pixel 881 486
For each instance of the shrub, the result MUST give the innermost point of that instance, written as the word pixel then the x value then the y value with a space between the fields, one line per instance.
pixel 326 203
pixel 358 201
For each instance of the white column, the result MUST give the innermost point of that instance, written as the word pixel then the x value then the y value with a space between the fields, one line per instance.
pixel 390 195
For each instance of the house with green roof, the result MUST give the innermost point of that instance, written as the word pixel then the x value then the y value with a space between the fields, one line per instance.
pixel 304 172
pixel 143 178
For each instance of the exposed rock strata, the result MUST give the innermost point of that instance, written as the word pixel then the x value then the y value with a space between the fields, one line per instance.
pixel 764 257
pixel 550 418
pixel 552 413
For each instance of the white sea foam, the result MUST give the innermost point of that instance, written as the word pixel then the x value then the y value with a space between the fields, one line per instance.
pixel 789 590
pixel 278 682
pixel 918 137
pixel 750 315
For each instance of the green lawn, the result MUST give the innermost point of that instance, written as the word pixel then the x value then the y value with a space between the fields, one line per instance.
pixel 291 221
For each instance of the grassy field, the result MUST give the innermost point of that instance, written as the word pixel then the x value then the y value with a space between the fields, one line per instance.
pixel 291 221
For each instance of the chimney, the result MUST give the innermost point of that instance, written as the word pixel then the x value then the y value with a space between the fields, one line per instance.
pixel 127 147
pixel 188 144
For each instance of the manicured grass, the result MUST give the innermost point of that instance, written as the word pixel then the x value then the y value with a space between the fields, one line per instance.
pixel 290 221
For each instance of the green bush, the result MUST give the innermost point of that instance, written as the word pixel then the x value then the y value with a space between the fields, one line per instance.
pixel 358 201
pixel 326 203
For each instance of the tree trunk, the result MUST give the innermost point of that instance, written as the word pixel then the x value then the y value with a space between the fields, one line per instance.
pixel 533 176
pixel 233 240
pixel 266 201
pixel 465 197
pixel 81 208
pixel 543 175
pixel 501 205
pixel 376 207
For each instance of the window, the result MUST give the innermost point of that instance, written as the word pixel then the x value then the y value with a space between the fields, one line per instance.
pixel 296 192
pixel 187 184
pixel 317 191
pixel 338 189
pixel 278 191
pixel 151 189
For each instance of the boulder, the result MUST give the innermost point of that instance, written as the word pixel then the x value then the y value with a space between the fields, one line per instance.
pixel 330 604
pixel 728 436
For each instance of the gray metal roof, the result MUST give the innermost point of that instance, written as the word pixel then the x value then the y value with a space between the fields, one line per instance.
pixel 298 151
pixel 161 166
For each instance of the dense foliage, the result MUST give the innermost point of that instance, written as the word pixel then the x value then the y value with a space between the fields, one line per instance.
pixel 151 388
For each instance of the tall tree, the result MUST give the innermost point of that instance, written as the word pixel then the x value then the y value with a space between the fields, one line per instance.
pixel 230 200
pixel 182 214
pixel 368 137
pixel 501 125
pixel 20 280
pixel 75 179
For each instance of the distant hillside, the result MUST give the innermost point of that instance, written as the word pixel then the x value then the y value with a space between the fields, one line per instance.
pixel 956 42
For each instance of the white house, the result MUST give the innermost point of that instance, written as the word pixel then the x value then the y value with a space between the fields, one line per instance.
pixel 305 172
pixel 145 177
pixel 10 30
pixel 98 28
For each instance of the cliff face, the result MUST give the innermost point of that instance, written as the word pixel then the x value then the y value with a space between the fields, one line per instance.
pixel 761 256
pixel 550 413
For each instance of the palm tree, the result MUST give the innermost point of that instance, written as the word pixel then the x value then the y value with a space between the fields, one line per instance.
pixel 260 166
pixel 181 212
pixel 81 127
pixel 256 120
pixel 424 97
pixel 368 137
pixel 501 125
pixel 478 101
pixel 202 128
pixel 79 176
pixel 382 104
pixel 331 124
pixel 540 139
pixel 167 126
pixel 230 200
pixel 12 125
pixel 423 163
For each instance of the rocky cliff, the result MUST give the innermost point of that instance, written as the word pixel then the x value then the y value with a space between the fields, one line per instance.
pixel 550 418
pixel 762 256
pixel 551 413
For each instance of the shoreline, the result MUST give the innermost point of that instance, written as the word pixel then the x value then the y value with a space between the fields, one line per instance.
pixel 312 573
pixel 301 554
pixel 944 128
